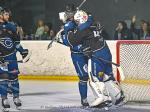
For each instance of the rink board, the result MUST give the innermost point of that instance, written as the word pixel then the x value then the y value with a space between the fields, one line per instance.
pixel 56 61
pixel 56 64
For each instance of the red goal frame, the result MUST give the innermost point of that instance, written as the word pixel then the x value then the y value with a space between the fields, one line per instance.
pixel 119 42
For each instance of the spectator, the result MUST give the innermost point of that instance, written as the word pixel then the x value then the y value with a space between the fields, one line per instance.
pixel 40 30
pixel 143 33
pixel 52 34
pixel 20 32
pixel 46 33
pixel 122 32
pixel 28 37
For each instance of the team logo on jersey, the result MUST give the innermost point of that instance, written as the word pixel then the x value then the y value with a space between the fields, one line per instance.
pixel 85 68
pixel 6 42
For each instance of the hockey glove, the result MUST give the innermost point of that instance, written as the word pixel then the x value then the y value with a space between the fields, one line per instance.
pixel 25 55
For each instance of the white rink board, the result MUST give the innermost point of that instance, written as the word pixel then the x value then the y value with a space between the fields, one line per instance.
pixel 55 61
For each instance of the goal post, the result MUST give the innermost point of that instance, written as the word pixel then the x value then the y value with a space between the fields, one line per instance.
pixel 134 58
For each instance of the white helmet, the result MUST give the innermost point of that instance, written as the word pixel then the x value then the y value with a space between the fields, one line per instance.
pixel 80 17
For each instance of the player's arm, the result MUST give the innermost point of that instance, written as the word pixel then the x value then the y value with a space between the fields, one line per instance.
pixel 133 29
pixel 68 27
pixel 18 46
pixel 78 37
pixel 87 24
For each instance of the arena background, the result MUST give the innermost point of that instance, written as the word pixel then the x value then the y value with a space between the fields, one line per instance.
pixel 27 12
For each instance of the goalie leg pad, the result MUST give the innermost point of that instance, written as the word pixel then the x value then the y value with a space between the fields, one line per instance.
pixel 98 89
pixel 115 91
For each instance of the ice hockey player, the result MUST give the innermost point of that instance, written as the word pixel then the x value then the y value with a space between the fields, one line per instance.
pixel 92 46
pixel 79 60
pixel 9 37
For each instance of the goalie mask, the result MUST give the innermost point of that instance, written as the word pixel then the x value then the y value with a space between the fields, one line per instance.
pixel 80 17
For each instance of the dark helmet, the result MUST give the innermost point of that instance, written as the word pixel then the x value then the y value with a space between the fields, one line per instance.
pixel 3 10
pixel 8 11
pixel 70 10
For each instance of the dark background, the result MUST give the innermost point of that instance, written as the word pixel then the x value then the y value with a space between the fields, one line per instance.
pixel 108 12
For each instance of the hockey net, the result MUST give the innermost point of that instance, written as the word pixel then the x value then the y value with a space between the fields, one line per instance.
pixel 134 58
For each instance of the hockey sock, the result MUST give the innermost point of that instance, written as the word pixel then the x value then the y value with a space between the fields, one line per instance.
pixel 3 88
pixel 83 89
pixel 15 87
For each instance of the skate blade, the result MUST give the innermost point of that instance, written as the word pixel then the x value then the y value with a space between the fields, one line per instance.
pixel 5 109
pixel 104 105
pixel 19 108
pixel 11 109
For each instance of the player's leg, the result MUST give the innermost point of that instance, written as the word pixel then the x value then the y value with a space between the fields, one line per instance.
pixel 13 78
pixel 80 63
pixel 3 87
pixel 15 90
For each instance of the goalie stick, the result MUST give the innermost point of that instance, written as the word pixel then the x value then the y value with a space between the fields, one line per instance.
pixel 55 38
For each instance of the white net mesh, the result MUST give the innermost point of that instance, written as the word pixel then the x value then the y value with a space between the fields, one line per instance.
pixel 135 62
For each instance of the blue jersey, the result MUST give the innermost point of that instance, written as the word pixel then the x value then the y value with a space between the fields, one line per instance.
pixel 71 26
pixel 9 44
pixel 86 36
pixel 8 37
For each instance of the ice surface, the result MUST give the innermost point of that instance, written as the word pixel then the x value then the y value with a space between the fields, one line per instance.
pixel 50 96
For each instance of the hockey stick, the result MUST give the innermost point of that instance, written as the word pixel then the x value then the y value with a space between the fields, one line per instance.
pixel 122 76
pixel 18 61
pixel 55 38
pixel 81 4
